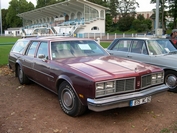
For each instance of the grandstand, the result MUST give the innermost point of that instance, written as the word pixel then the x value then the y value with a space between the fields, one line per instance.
pixel 79 18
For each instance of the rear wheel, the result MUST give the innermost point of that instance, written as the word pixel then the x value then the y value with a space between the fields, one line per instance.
pixel 171 80
pixel 69 101
pixel 23 79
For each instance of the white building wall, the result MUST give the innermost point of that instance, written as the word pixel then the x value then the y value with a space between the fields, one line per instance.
pixel 98 23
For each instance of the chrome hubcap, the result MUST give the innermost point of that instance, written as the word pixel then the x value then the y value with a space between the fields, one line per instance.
pixel 171 81
pixel 68 99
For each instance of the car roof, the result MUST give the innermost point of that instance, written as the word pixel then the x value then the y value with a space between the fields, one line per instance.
pixel 54 38
pixel 143 38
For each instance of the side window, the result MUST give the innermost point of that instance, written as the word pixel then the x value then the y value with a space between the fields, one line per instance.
pixel 43 49
pixel 20 46
pixel 139 47
pixel 122 45
pixel 61 50
pixel 31 49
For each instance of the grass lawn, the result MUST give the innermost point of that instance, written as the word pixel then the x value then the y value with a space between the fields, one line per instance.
pixel 4 51
pixel 105 44
pixel 6 40
pixel 6 44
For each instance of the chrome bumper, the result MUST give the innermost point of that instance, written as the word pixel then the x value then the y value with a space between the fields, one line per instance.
pixel 122 100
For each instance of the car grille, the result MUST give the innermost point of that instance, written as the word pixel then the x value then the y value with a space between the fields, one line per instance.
pixel 125 85
pixel 146 81
pixel 128 84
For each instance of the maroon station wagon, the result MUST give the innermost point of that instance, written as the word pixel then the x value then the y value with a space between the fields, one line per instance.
pixel 83 74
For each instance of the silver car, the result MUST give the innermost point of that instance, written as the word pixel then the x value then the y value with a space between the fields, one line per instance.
pixel 155 51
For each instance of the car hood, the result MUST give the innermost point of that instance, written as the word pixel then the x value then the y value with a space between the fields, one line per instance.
pixel 108 66
pixel 166 61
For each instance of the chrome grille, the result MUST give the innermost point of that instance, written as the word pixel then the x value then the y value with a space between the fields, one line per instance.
pixel 146 81
pixel 125 85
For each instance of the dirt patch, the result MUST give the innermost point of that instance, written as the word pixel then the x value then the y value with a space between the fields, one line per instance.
pixel 33 109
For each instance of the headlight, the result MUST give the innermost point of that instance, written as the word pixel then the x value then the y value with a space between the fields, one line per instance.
pixel 99 86
pixel 157 78
pixel 154 77
pixel 105 88
pixel 109 85
pixel 160 75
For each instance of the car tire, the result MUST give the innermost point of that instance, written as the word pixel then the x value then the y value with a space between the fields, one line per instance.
pixel 171 80
pixel 69 101
pixel 23 79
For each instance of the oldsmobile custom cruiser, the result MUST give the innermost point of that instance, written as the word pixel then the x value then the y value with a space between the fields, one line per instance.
pixel 83 74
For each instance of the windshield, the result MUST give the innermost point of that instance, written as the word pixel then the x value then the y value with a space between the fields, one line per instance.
pixel 68 49
pixel 157 47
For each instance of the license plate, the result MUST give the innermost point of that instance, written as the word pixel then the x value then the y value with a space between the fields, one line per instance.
pixel 140 101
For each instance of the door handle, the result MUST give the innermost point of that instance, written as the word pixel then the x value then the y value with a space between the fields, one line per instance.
pixel 129 56
pixel 111 53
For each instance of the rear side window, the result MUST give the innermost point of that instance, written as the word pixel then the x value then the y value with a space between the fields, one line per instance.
pixel 122 45
pixel 139 47
pixel 31 49
pixel 20 46
pixel 43 49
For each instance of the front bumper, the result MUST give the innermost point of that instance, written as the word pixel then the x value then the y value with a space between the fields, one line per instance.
pixel 123 100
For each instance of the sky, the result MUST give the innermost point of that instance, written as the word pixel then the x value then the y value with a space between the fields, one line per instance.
pixel 144 4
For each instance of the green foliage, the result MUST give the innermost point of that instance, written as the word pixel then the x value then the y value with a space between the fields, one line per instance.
pixel 128 7
pixel 16 7
pixel 4 24
pixel 99 2
pixel 125 23
pixel 141 24
pixel 42 3
pixel 170 25
pixel 109 22
pixel 136 25
pixel 140 17
pixel 148 22
pixel 173 11
pixel 113 8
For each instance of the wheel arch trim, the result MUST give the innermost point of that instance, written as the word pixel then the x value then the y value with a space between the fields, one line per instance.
pixel 62 78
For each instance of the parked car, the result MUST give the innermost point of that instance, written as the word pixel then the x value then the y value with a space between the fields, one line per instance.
pixel 155 51
pixel 83 74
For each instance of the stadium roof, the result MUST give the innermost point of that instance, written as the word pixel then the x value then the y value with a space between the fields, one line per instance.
pixel 65 7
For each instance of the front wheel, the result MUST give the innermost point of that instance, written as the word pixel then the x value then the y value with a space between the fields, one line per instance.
pixel 171 80
pixel 68 100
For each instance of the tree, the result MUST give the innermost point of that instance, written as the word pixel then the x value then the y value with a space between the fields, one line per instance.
pixel 162 12
pixel 140 17
pixel 16 7
pixel 108 22
pixel 141 24
pixel 125 23
pixel 136 25
pixel 173 11
pixel 42 3
pixel 113 8
pixel 148 23
pixel 4 23
pixel 127 7
pixel 100 2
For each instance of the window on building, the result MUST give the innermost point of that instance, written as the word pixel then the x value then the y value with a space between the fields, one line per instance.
pixel 95 28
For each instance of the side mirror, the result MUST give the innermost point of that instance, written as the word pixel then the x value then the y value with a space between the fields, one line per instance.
pixel 41 56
